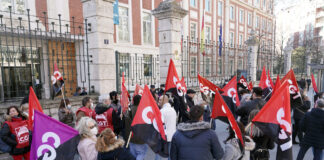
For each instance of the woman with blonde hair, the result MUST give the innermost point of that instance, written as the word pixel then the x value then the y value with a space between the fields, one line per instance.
pixel 88 130
pixel 110 148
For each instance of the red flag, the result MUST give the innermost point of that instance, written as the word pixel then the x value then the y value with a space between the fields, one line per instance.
pixel 124 95
pixel 293 86
pixel 314 84
pixel 172 78
pixel 270 80
pixel 57 81
pixel 138 90
pixel 243 81
pixel 220 109
pixel 231 90
pixel 33 105
pixel 183 84
pixel 206 86
pixel 274 119
pixel 278 84
pixel 250 86
pixel 148 115
pixel 263 80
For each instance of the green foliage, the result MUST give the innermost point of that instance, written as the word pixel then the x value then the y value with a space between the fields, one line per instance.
pixel 298 59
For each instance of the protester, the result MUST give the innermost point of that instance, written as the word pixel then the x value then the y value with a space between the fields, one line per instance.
pixel 19 141
pixel 180 106
pixel 137 146
pixel 189 97
pixel 299 113
pixel 170 118
pixel 110 148
pixel 88 130
pixel 86 110
pixel 256 103
pixel 262 142
pixel 104 117
pixel 243 92
pixel 313 126
pixel 195 139
pixel 84 91
pixel 65 113
pixel 25 109
pixel 161 90
pixel 115 104
pixel 77 91
pixel 153 92
pixel 232 145
pixel 245 98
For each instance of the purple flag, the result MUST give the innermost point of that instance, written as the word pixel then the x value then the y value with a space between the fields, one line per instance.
pixel 52 139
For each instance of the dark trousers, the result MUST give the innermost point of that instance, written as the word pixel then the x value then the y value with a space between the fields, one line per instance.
pixel 297 131
pixel 304 148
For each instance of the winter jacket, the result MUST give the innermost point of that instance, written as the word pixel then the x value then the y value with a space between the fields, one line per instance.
pixel 87 148
pixel 245 109
pixel 66 118
pixel 195 141
pixel 100 115
pixel 170 120
pixel 117 122
pixel 190 101
pixel 299 112
pixel 233 151
pixel 182 108
pixel 313 126
pixel 116 152
pixel 135 139
pixel 10 139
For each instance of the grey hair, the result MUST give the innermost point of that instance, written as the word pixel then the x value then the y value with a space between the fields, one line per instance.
pixel 103 97
pixel 83 128
pixel 320 103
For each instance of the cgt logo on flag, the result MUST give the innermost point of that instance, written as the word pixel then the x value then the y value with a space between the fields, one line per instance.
pixel 49 148
pixel 149 118
pixel 205 89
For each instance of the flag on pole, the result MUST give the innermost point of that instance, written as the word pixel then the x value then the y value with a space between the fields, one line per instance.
pixel 243 81
pixel 116 13
pixel 296 100
pixel 263 81
pixel 250 86
pixel 270 80
pixel 138 90
pixel 202 44
pixel 173 80
pixel 57 81
pixel 53 139
pixel 124 95
pixel 220 41
pixel 277 85
pixel 314 84
pixel 183 84
pixel 33 105
pixel 274 119
pixel 231 90
pixel 221 110
pixel 207 86
pixel 148 123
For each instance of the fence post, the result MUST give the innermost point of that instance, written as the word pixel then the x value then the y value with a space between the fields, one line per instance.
pixel 169 15
pixel 100 30
pixel 252 43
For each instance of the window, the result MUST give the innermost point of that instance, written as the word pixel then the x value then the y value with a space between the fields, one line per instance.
pixel 208 66
pixel 240 64
pixel 193 3
pixel 124 64
pixel 18 6
pixel 193 66
pixel 264 3
pixel 193 30
pixel 220 67
pixel 249 19
pixel 269 27
pixel 147 65
pixel 232 13
pixel 240 40
pixel 147 28
pixel 208 33
pixel 123 28
pixel 231 39
pixel 231 66
pixel 207 5
pixel 220 8
pixel 257 22
pixel 257 3
pixel 241 16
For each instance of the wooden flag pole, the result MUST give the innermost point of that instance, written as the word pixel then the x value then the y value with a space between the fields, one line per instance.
pixel 63 95
pixel 129 137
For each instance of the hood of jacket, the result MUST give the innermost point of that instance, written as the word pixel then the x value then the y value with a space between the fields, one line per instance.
pixel 192 129
pixel 119 143
pixel 101 109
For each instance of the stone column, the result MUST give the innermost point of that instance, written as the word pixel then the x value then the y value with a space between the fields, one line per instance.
pixel 99 15
pixel 287 51
pixel 169 15
pixel 252 44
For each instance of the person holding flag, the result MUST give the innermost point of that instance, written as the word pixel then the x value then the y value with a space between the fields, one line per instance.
pixel 16 134
pixel 195 139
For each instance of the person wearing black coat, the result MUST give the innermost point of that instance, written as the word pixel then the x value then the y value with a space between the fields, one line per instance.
pixel 256 103
pixel 189 97
pixel 194 140
pixel 110 148
pixel 299 113
pixel 313 126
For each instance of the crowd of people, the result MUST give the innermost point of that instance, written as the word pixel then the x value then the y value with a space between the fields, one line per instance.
pixel 106 132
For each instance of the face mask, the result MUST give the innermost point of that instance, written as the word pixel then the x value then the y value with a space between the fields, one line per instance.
pixel 69 106
pixel 94 131
pixel 26 113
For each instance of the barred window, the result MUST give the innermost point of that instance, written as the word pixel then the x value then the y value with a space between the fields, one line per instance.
pixel 123 27
pixel 18 6
pixel 147 28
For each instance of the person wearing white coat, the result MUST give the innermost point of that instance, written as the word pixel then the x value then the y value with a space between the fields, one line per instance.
pixel 169 116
